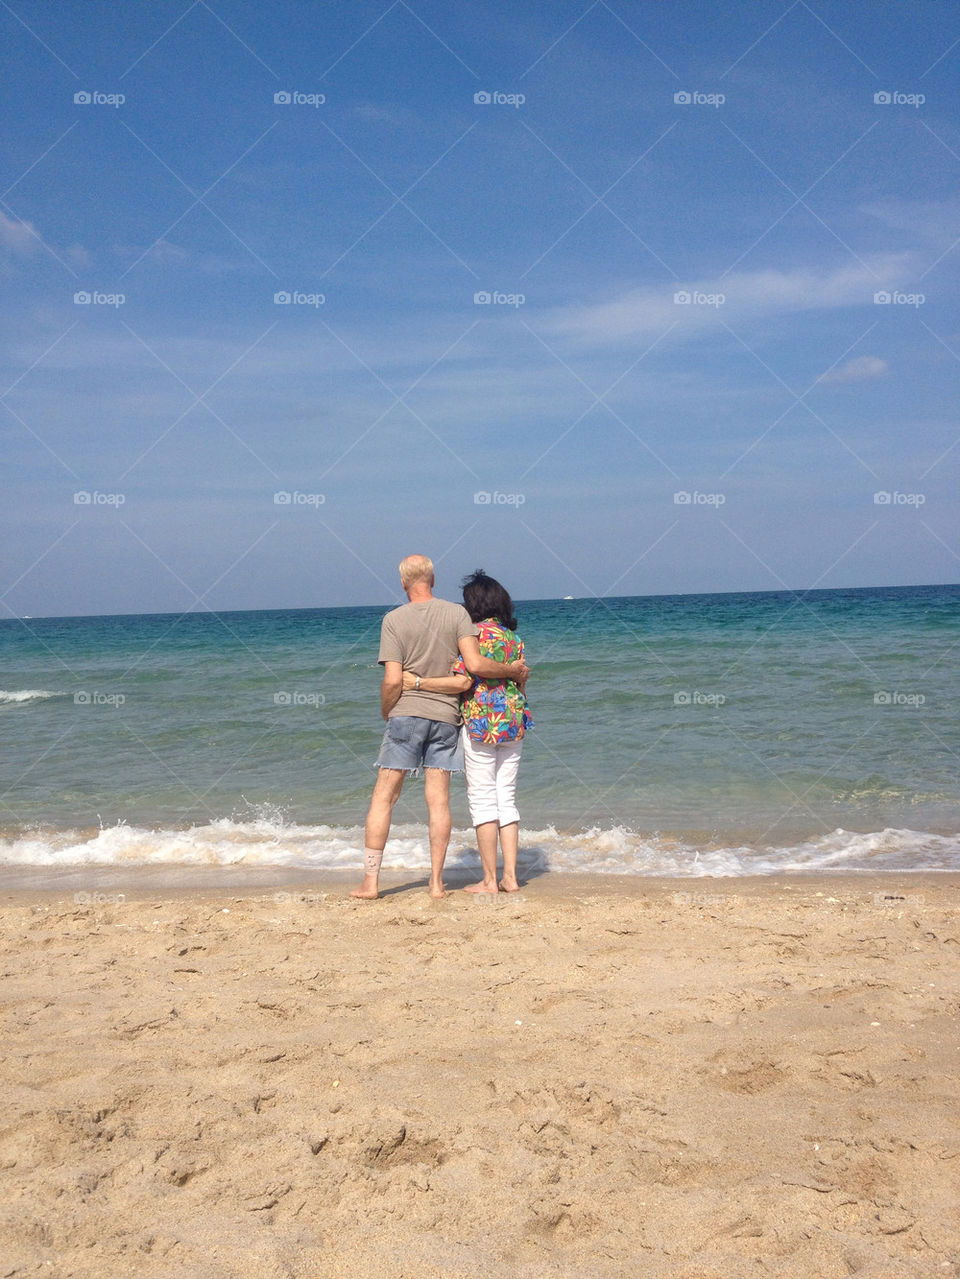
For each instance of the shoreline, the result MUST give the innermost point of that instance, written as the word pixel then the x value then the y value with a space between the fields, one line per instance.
pixel 143 881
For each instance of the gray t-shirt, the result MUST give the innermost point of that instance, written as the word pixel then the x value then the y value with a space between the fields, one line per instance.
pixel 425 639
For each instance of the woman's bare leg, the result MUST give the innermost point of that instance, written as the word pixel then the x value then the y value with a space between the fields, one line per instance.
pixel 487 843
pixel 509 841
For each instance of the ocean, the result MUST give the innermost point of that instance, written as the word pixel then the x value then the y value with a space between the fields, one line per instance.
pixel 686 735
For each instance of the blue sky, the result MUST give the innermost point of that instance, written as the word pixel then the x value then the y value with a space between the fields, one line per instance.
pixel 781 198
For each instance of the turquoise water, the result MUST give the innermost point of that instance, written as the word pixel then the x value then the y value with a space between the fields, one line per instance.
pixel 709 734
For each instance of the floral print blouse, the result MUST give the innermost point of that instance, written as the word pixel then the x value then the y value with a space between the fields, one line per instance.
pixel 495 713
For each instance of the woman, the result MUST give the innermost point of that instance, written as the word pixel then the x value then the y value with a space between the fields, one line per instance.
pixel 495 719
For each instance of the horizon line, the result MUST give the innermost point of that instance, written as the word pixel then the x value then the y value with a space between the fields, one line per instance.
pixel 546 599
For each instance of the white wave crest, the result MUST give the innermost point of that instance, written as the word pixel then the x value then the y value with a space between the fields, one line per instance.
pixel 614 850
pixel 26 695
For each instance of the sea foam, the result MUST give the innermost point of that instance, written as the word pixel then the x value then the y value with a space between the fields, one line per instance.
pixel 613 850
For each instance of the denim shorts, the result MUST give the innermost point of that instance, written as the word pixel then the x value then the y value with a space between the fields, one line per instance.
pixel 410 741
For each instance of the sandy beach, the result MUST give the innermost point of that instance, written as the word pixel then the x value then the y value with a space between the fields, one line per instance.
pixel 700 1079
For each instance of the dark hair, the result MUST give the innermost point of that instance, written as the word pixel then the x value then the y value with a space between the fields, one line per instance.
pixel 484 597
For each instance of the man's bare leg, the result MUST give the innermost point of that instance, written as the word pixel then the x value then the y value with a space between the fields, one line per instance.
pixel 487 844
pixel 437 791
pixel 386 792
pixel 509 841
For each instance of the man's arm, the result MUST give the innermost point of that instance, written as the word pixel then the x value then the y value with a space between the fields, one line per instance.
pixel 484 668
pixel 391 688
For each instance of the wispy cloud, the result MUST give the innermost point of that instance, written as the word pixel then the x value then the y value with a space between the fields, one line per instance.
pixel 859 370
pixel 936 221
pixel 18 237
pixel 21 241
pixel 746 296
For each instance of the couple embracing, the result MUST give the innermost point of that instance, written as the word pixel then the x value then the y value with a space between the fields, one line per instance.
pixel 453 698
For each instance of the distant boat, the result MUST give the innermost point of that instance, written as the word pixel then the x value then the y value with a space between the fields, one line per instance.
pixel 568 597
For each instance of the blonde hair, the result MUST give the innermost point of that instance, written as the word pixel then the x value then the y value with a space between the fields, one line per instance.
pixel 415 568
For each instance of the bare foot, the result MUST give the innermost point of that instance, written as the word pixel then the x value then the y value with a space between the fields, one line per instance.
pixel 482 887
pixel 509 885
pixel 368 890
pixel 437 889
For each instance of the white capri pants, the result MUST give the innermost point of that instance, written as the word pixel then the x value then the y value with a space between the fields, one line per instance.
pixel 491 780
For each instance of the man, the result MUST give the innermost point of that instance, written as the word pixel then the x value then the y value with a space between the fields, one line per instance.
pixel 424 635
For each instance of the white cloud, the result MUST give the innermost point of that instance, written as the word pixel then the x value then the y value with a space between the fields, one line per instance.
pixel 858 370
pixel 21 239
pixel 18 236
pixel 370 113
pixel 936 221
pixel 166 252
pixel 748 295
pixel 78 256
